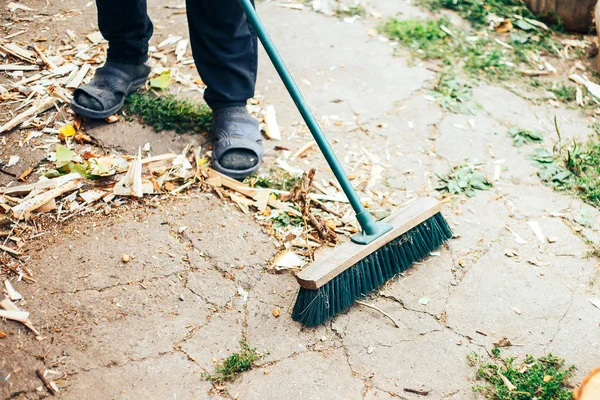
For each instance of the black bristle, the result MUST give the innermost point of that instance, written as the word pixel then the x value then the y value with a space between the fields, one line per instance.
pixel 314 307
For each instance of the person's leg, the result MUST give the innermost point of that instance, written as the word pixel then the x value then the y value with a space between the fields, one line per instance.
pixel 127 27
pixel 225 51
pixel 226 54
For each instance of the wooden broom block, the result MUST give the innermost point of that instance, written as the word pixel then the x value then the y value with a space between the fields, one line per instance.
pixel 349 253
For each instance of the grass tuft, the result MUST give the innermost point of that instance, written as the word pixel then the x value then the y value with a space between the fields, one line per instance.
pixel 169 113
pixel 352 11
pixel 544 378
pixel 454 95
pixel 463 179
pixel 572 166
pixel 278 179
pixel 479 12
pixel 229 368
pixel 490 61
pixel 425 38
pixel 524 136
pixel 563 93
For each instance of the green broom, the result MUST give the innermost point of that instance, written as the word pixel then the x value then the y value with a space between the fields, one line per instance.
pixel 382 250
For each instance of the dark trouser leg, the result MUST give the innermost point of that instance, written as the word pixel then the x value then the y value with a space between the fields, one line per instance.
pixel 127 27
pixel 225 51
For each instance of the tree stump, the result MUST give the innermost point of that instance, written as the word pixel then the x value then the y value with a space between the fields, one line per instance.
pixel 577 15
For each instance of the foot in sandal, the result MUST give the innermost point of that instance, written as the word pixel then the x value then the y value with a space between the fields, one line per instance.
pixel 105 94
pixel 237 150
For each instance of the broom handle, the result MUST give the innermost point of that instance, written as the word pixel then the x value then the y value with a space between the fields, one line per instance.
pixel 366 220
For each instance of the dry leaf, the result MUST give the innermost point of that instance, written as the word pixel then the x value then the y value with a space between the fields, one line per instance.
pixel 504 342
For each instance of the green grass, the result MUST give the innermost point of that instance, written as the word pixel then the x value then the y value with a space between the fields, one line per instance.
pixel 229 368
pixel 572 166
pixel 528 47
pixel 169 113
pixel 425 38
pixel 482 59
pixel 489 61
pixel 478 11
pixel 275 179
pixel 352 11
pixel 524 136
pixel 584 163
pixel 454 95
pixel 563 93
pixel 463 179
pixel 544 378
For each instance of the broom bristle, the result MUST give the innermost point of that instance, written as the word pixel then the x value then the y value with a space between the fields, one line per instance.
pixel 314 307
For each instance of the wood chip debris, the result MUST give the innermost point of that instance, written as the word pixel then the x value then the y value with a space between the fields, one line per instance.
pixel 50 385
pixel 419 392
pixel 504 342
pixel 271 126
pixel 288 260
pixel 12 7
pixel 508 383
pixel 22 316
pixel 537 230
pixel 11 292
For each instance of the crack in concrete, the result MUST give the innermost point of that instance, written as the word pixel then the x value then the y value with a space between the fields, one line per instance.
pixel 562 317
pixel 119 285
pixel 344 348
pixel 439 320
pixel 405 307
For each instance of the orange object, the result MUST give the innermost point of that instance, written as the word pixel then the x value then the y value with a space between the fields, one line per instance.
pixel 590 387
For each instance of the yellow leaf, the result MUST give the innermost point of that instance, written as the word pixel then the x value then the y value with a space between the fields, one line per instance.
pixel 162 81
pixel 547 378
pixel 68 130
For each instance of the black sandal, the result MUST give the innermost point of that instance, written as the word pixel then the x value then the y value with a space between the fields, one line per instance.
pixel 109 87
pixel 237 131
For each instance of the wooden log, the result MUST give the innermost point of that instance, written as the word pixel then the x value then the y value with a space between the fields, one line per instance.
pixel 33 111
pixel 576 15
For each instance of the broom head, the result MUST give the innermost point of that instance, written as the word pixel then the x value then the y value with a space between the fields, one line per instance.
pixel 333 283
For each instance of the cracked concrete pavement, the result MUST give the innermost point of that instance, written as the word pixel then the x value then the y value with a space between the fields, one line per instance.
pixel 198 283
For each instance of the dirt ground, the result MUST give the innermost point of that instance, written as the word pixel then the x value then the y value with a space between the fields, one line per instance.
pixel 150 328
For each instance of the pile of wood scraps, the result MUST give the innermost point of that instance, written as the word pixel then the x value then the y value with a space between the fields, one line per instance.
pixel 75 184
pixel 41 79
